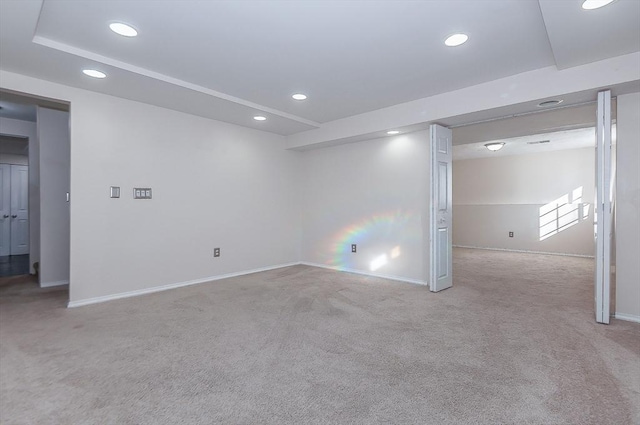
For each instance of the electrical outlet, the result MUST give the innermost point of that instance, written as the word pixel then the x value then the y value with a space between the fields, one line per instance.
pixel 353 248
pixel 216 252
pixel 510 234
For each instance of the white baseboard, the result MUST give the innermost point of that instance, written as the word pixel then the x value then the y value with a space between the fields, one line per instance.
pixel 384 276
pixel 627 317
pixel 129 294
pixel 56 283
pixel 524 251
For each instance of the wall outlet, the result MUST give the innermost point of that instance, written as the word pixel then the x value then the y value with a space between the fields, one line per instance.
pixel 216 252
pixel 510 234
pixel 353 247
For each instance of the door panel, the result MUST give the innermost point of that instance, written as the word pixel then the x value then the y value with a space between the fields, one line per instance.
pixel 440 261
pixel 603 215
pixel 19 209
pixel 5 209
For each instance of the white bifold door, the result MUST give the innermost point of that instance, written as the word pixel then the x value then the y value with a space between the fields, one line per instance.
pixel 604 207
pixel 440 227
pixel 14 209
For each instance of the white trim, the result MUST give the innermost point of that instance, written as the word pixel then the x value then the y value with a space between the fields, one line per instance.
pixel 562 254
pixel 383 276
pixel 135 293
pixel 627 317
pixel 56 283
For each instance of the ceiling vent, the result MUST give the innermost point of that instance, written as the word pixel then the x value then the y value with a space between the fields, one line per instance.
pixel 538 142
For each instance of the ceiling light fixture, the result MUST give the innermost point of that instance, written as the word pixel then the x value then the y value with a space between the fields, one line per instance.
pixel 260 118
pixel 456 40
pixel 392 132
pixel 496 146
pixel 548 103
pixel 94 73
pixel 299 96
pixel 595 4
pixel 123 29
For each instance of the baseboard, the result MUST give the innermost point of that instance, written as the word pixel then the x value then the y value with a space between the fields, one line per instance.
pixel 524 251
pixel 56 283
pixel 135 293
pixel 361 272
pixel 627 317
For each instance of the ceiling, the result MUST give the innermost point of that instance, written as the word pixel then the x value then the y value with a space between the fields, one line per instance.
pixel 231 60
pixel 559 140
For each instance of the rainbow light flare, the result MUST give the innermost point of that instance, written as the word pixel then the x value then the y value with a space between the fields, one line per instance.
pixel 379 224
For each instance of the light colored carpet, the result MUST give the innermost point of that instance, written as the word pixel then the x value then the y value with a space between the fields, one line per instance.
pixel 514 341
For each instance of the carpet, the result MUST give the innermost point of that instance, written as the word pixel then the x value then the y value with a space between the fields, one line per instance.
pixel 513 342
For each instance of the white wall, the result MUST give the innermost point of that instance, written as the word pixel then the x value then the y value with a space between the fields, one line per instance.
pixel 214 185
pixel 28 129
pixel 628 208
pixel 53 134
pixel 493 196
pixel 373 194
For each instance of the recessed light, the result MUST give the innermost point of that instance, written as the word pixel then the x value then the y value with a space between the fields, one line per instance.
pixel 123 29
pixel 548 103
pixel 94 73
pixel 299 96
pixel 595 4
pixel 260 118
pixel 456 40
pixel 392 132
pixel 496 146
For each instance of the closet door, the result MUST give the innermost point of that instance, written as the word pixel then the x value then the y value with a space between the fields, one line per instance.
pixel 5 209
pixel 19 209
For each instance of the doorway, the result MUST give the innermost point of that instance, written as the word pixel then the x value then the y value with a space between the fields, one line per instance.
pixel 550 207
pixel 34 190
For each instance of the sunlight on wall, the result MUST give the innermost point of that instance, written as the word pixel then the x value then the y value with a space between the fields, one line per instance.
pixel 562 213
pixel 377 228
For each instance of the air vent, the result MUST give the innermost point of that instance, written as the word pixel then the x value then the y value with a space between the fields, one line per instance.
pixel 538 142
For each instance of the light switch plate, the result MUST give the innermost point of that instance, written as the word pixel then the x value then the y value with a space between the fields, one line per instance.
pixel 115 191
pixel 141 193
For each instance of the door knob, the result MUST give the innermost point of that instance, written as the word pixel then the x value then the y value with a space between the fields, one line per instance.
pixel 6 216
pixel 13 216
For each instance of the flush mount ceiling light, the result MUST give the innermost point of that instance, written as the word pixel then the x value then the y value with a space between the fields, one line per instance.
pixel 94 73
pixel 260 118
pixel 595 4
pixel 123 29
pixel 548 103
pixel 392 132
pixel 496 146
pixel 456 40
pixel 299 96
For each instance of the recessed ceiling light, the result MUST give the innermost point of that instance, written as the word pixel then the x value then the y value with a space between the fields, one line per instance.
pixel 548 103
pixel 123 29
pixel 260 118
pixel 94 73
pixel 496 146
pixel 392 132
pixel 299 96
pixel 595 4
pixel 456 40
